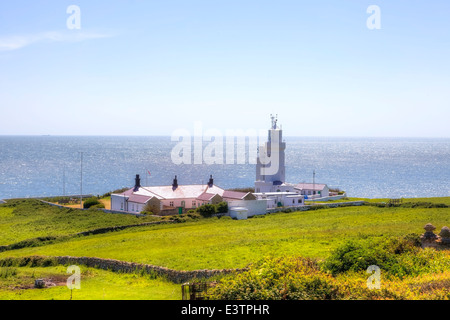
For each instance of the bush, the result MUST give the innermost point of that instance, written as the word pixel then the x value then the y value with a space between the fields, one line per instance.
pixel 248 189
pixel 397 256
pixel 222 207
pixel 207 210
pixel 193 215
pixel 277 279
pixel 90 202
pixel 318 207
pixel 423 204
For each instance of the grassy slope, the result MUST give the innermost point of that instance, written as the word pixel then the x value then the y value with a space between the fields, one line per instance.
pixel 33 219
pixel 226 243
pixel 95 285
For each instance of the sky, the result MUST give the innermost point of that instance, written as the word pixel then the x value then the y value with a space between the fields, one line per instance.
pixel 152 67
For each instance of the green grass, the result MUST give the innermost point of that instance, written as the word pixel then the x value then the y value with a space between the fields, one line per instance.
pixel 26 219
pixel 95 285
pixel 436 200
pixel 225 243
pixel 196 244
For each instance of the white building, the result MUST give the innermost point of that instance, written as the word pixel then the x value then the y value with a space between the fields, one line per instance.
pixel 281 199
pixel 175 198
pixel 271 190
pixel 313 190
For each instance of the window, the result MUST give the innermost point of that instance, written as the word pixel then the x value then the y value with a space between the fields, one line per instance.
pixel 121 206
pixel 132 207
pixel 299 200
pixel 193 204
pixel 293 201
pixel 171 203
pixel 257 189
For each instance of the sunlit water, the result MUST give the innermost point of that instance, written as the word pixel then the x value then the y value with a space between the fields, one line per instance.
pixel 364 167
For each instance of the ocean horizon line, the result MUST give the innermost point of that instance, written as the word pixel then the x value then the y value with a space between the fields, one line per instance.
pixel 168 136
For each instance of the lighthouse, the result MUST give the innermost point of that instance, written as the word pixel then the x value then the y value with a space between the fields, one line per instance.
pixel 270 165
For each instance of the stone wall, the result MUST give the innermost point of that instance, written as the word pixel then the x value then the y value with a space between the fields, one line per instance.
pixel 176 276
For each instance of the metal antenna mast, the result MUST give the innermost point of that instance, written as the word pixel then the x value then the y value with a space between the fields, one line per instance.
pixel 81 180
pixel 64 180
pixel 314 182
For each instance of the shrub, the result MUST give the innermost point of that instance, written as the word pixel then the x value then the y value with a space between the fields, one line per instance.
pixel 318 207
pixel 222 207
pixel 423 204
pixel 277 279
pixel 207 210
pixel 248 189
pixel 397 256
pixel 90 202
pixel 193 214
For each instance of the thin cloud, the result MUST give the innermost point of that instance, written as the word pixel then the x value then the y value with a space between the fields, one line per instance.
pixel 15 42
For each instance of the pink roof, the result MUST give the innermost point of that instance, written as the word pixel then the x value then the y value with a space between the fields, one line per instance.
pixel 138 198
pixel 205 196
pixel 234 194
pixel 181 192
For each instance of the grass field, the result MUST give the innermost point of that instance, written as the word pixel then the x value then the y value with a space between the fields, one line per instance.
pixel 21 220
pixel 95 285
pixel 436 200
pixel 226 243
pixel 211 243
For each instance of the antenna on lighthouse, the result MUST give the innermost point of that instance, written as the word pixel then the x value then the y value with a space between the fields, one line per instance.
pixel 274 120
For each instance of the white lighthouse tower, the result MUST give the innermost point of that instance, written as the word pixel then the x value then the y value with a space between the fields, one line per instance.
pixel 270 166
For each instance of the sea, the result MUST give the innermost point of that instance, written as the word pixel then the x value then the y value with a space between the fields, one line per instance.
pixel 41 166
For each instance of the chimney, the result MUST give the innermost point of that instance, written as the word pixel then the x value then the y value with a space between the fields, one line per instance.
pixel 211 181
pixel 137 183
pixel 175 183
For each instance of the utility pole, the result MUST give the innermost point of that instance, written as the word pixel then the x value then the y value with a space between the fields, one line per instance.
pixel 64 180
pixel 81 180
pixel 314 183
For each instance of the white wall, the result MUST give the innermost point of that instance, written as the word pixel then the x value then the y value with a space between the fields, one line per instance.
pixel 118 202
pixel 255 207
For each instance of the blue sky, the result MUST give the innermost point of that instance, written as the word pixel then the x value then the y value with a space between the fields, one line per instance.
pixel 150 67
